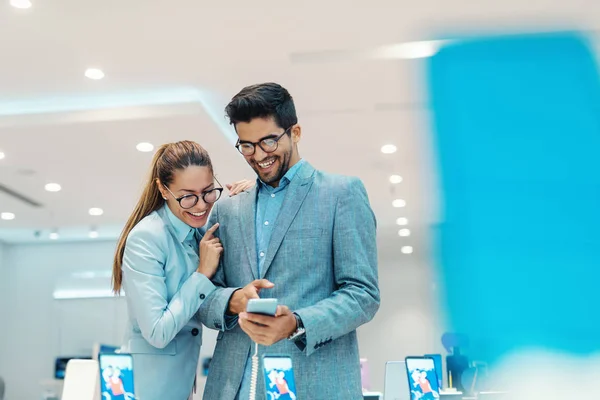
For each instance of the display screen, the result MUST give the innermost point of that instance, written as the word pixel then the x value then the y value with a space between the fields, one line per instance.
pixel 422 379
pixel 279 378
pixel 60 365
pixel 437 361
pixel 116 377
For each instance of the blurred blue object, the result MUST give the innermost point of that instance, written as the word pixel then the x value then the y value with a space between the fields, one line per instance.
pixel 206 365
pixel 452 340
pixel 517 131
pixel 105 348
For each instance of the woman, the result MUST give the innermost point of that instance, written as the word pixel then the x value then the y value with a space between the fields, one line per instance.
pixel 165 269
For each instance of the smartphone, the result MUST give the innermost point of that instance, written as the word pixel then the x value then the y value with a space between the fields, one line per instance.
pixel 116 376
pixel 422 378
pixel 279 377
pixel 262 306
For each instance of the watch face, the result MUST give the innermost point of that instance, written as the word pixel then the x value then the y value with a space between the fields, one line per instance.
pixel 299 329
pixel 299 323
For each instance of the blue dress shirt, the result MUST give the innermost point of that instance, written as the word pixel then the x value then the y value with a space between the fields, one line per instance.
pixel 268 204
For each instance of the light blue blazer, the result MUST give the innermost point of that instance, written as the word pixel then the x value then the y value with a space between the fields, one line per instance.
pixel 163 293
pixel 322 258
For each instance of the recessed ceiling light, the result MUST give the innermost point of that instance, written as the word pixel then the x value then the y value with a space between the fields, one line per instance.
pixel 7 216
pixel 406 249
pixel 1 155
pixel 96 212
pixel 399 203
pixel 94 73
pixel 53 235
pixel 388 149
pixel 21 3
pixel 404 232
pixel 53 187
pixel 395 179
pixel 402 221
pixel 93 234
pixel 145 147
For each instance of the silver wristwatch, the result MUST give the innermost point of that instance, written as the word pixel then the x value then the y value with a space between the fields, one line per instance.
pixel 299 329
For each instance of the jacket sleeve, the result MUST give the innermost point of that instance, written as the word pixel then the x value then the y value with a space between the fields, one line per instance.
pixel 357 299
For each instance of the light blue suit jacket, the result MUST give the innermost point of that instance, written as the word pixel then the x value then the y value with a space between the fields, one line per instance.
pixel 163 293
pixel 322 258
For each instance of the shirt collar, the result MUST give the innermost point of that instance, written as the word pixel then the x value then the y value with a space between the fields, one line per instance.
pixel 287 178
pixel 182 230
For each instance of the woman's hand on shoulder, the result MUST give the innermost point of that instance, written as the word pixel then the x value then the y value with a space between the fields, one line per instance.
pixel 239 186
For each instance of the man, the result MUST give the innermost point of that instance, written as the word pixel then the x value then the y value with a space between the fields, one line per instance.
pixel 302 236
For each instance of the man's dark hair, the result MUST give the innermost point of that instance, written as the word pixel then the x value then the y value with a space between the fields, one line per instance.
pixel 263 101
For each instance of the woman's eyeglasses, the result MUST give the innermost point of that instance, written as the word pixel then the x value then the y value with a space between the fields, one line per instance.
pixel 190 200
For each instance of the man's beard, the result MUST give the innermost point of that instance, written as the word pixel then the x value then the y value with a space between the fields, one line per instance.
pixel 284 163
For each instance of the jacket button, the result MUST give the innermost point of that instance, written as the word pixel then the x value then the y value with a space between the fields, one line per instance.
pixel 202 296
pixel 195 332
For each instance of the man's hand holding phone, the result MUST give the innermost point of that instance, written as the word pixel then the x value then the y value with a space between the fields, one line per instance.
pixel 268 330
pixel 239 299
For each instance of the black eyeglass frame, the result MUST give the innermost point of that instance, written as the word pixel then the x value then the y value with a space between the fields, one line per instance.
pixel 238 145
pixel 203 195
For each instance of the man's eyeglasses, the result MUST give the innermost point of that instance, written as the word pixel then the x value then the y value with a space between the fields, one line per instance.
pixel 190 200
pixel 268 145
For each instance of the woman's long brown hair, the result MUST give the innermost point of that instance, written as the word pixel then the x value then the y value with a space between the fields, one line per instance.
pixel 168 158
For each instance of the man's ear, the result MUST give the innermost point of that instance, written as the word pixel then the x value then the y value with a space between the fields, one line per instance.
pixel 296 133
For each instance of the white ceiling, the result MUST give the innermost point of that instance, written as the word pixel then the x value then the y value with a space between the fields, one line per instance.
pixel 170 69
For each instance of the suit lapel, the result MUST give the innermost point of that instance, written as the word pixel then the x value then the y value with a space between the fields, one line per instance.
pixel 248 227
pixel 294 198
